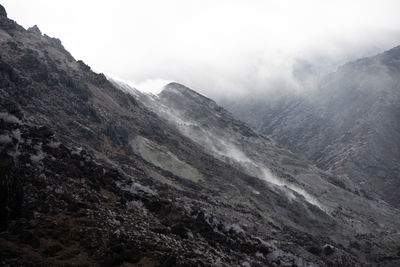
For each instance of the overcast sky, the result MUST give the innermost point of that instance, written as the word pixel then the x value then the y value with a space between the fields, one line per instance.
pixel 214 46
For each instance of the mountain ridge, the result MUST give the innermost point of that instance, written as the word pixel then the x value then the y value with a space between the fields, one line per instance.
pixel 348 124
pixel 108 180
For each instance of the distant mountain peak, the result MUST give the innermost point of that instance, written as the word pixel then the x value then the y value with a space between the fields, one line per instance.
pixel 173 88
pixel 175 85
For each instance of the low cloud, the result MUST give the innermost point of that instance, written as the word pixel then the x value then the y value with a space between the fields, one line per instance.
pixel 219 48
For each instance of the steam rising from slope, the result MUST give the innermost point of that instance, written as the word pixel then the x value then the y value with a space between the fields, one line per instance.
pixel 153 86
pixel 224 147
pixel 232 154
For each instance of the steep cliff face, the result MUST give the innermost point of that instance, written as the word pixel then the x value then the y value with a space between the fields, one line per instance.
pixel 96 173
pixel 349 125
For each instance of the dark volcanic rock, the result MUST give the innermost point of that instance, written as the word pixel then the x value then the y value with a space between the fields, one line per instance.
pixel 90 175
pixel 11 191
pixel 52 251
pixel 3 12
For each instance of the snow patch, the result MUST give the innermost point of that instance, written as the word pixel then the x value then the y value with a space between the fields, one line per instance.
pixel 5 139
pixel 39 156
pixel 138 188
pixel 139 205
pixel 76 151
pixel 7 117
pixel 54 144
pixel 235 228
pixel 17 135
pixel 255 192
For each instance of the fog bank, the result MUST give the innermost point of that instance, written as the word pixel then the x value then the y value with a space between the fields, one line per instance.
pixel 218 48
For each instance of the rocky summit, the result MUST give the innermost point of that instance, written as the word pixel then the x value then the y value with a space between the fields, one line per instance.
pixel 97 173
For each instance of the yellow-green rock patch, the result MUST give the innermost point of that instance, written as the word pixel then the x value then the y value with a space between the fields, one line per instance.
pixel 163 158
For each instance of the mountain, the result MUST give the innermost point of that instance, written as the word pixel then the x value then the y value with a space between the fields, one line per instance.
pixel 348 125
pixel 94 172
pixel 315 201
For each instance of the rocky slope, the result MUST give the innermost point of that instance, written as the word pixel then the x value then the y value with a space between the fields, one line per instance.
pixel 60 206
pixel 321 203
pixel 348 125
pixel 95 175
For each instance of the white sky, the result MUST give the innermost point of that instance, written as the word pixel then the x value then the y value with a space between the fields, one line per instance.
pixel 213 46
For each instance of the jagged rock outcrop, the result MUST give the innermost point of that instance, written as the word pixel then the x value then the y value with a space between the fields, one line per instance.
pixel 35 30
pixel 3 12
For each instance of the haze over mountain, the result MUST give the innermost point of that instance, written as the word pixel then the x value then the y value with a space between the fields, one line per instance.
pixel 95 172
pixel 348 124
pixel 220 48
